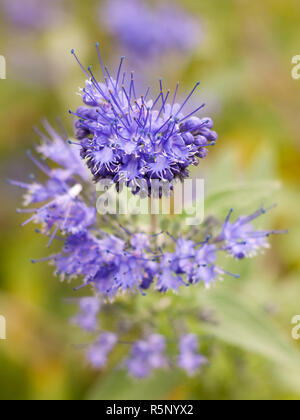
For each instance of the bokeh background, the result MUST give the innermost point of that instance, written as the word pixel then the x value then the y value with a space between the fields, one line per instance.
pixel 243 61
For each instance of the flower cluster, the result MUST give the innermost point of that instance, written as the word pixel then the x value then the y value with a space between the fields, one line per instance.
pixel 149 32
pixel 124 138
pixel 133 141
pixel 148 355
pixel 108 262
pixel 58 203
pixel 124 261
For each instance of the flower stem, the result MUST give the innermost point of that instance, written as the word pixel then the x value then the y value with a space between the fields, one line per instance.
pixel 153 218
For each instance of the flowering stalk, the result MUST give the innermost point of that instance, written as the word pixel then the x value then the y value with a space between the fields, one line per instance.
pixel 121 137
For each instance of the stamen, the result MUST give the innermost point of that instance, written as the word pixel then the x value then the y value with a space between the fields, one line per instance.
pixel 132 87
pixel 174 99
pixel 163 106
pixel 49 258
pixel 101 62
pixel 228 217
pixel 187 99
pixel 42 167
pixel 96 84
pixel 53 236
pixel 119 72
pixel 172 237
pixel 19 184
pixel 83 69
pixel 192 113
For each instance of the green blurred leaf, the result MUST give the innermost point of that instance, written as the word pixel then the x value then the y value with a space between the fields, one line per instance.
pixel 120 386
pixel 244 324
pixel 240 196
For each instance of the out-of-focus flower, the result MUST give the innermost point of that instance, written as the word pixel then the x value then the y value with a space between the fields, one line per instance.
pixel 99 351
pixel 136 141
pixel 147 32
pixel 189 359
pixel 87 317
pixel 146 356
pixel 55 148
pixel 32 14
pixel 61 206
pixel 242 240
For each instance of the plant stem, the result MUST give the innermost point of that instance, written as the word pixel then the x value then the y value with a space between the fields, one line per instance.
pixel 153 218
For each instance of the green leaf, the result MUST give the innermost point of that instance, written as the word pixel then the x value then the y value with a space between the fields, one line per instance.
pixel 244 324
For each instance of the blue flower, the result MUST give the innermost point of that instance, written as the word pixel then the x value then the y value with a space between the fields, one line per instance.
pixel 147 32
pixel 33 14
pixel 146 356
pixel 61 204
pixel 55 148
pixel 129 140
pixel 99 351
pixel 87 318
pixel 242 240
pixel 168 279
pixel 189 359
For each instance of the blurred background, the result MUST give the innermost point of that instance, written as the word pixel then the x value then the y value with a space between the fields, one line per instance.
pixel 242 53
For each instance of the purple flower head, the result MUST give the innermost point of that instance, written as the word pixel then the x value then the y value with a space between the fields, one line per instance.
pixel 184 253
pixel 146 356
pixel 104 263
pixel 148 32
pixel 138 141
pixel 64 211
pixel 55 147
pixel 32 14
pixel 168 278
pixel 99 351
pixel 87 317
pixel 242 240
pixel 189 359
pixel 140 242
pixel 61 206
pixel 204 269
